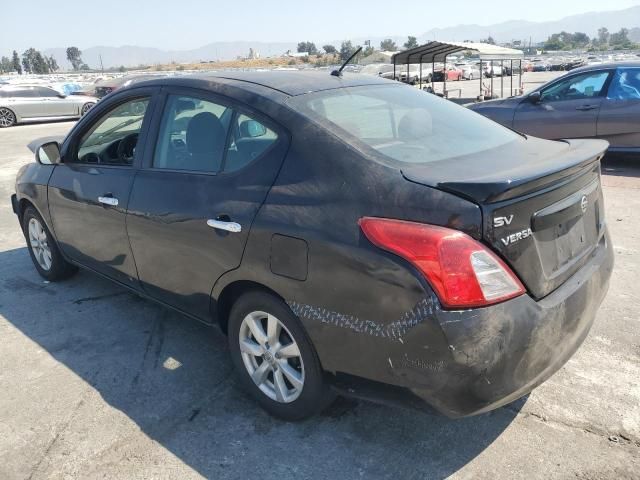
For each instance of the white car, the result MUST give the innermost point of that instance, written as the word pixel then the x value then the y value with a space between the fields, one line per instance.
pixel 469 72
pixel 37 103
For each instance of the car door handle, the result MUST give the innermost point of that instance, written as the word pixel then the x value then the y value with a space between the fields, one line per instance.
pixel 108 200
pixel 225 225
pixel 586 107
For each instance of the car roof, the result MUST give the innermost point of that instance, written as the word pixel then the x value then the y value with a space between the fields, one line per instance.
pixel 608 65
pixel 287 82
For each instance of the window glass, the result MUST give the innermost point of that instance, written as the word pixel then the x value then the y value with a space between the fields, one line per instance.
pixel 193 135
pixel 249 140
pixel 577 87
pixel 404 123
pixel 45 92
pixel 114 137
pixel 625 84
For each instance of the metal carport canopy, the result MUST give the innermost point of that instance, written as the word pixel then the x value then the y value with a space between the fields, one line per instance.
pixel 438 51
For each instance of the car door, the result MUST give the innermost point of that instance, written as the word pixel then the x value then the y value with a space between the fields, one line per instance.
pixel 568 108
pixel 54 103
pixel 619 119
pixel 89 190
pixel 193 203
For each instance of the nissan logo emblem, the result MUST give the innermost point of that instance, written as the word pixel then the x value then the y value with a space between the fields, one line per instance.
pixel 584 203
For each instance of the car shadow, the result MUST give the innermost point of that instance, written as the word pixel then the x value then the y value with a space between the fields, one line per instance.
pixel 621 165
pixel 172 377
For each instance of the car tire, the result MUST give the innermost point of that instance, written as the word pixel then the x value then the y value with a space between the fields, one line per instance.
pixel 85 108
pixel 7 117
pixel 43 248
pixel 289 381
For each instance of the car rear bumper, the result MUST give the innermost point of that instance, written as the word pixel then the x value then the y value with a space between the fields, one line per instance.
pixel 497 354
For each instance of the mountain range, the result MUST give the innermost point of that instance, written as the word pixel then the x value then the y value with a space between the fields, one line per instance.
pixel 523 30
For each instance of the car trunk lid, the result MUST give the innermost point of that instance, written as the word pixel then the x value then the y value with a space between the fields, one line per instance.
pixel 542 204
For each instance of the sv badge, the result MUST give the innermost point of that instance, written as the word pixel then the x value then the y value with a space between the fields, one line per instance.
pixel 502 221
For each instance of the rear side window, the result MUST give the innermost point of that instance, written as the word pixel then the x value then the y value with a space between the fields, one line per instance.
pixel 403 123
pixel 201 136
pixel 625 84
pixel 249 140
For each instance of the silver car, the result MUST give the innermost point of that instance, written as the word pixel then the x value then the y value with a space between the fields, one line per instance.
pixel 597 101
pixel 31 103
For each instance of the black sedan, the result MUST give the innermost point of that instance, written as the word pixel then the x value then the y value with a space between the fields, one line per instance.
pixel 349 234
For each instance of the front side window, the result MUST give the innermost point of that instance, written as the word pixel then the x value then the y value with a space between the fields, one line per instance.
pixel 403 123
pixel 114 137
pixel 625 84
pixel 577 87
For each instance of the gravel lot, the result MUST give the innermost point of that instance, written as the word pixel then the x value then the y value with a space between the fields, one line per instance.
pixel 97 383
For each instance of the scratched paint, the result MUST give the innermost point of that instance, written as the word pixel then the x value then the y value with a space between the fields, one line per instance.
pixel 394 330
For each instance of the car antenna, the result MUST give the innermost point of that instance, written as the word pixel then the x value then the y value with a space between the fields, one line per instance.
pixel 338 73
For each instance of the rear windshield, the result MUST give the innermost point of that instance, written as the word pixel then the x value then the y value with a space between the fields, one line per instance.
pixel 403 123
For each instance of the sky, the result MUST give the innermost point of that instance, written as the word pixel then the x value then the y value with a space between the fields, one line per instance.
pixel 186 24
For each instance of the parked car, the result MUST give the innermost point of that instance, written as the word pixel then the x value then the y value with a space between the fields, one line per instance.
pixel 106 86
pixel 452 72
pixel 596 101
pixel 469 72
pixel 418 251
pixel 32 103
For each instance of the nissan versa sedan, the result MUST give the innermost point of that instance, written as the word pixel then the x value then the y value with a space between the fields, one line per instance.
pixel 349 234
pixel 27 103
pixel 597 101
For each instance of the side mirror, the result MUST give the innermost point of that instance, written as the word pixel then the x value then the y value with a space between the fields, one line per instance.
pixel 48 153
pixel 252 129
pixel 535 97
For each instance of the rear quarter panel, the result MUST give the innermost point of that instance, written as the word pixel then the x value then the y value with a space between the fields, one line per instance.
pixel 360 306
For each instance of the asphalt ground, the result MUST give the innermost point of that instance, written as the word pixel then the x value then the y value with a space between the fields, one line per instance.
pixel 98 383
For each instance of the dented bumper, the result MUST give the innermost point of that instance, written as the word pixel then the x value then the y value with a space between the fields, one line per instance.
pixel 464 363
pixel 500 353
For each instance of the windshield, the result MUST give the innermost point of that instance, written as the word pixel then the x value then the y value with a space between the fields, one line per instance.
pixel 403 123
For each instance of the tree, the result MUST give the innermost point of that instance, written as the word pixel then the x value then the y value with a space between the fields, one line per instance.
pixel 5 65
pixel 620 39
pixel 346 50
pixel 15 60
pixel 308 47
pixel 84 66
pixel 412 42
pixel 330 49
pixel 368 50
pixel 74 55
pixel 52 63
pixel 388 45
pixel 34 62
pixel 603 36
pixel 488 40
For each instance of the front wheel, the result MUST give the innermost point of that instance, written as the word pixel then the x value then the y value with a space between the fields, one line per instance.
pixel 274 358
pixel 43 249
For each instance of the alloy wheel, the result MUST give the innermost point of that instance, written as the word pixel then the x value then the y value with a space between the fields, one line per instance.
pixel 39 244
pixel 85 108
pixel 271 356
pixel 7 117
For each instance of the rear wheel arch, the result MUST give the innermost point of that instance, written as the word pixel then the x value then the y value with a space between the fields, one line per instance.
pixel 231 293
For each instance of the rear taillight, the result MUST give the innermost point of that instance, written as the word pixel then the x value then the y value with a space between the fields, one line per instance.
pixel 463 272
